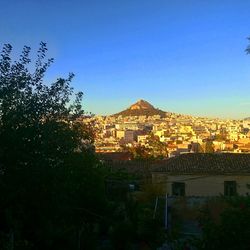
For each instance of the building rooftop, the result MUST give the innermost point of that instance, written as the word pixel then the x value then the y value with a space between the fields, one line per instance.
pixel 200 163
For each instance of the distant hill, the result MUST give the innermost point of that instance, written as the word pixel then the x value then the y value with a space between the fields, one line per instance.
pixel 141 107
pixel 247 118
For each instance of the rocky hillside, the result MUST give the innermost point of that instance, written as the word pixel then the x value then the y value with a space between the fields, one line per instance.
pixel 141 107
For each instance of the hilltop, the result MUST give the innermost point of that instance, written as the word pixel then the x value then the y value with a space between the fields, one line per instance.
pixel 141 107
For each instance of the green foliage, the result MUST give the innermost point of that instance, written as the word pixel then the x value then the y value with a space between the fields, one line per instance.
pixel 248 47
pixel 208 147
pixel 221 136
pixel 154 149
pixel 140 153
pixel 51 185
pixel 134 226
pixel 200 149
pixel 231 230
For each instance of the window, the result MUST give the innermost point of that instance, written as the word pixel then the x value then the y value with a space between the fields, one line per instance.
pixel 230 188
pixel 178 188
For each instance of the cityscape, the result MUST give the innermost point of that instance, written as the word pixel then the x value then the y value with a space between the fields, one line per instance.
pixel 178 132
pixel 125 125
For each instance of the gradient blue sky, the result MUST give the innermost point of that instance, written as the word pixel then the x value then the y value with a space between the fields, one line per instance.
pixel 184 56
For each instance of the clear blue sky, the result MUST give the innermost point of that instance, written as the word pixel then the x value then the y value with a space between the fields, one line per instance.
pixel 184 56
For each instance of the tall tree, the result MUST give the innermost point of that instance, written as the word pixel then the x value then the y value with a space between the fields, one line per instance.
pixel 208 147
pixel 154 149
pixel 51 188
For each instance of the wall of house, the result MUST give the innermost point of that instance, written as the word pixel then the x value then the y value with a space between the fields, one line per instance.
pixel 202 185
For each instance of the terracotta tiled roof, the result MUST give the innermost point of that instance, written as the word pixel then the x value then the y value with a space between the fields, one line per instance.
pixel 225 163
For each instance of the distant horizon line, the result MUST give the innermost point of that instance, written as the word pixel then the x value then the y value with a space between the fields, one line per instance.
pixel 196 116
pixel 173 112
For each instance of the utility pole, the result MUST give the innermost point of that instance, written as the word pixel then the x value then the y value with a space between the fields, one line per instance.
pixel 166 213
pixel 156 205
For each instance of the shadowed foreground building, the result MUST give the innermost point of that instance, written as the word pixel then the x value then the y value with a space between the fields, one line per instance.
pixel 205 175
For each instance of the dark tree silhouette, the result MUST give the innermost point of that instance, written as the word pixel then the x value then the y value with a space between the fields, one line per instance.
pixel 248 47
pixel 51 189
